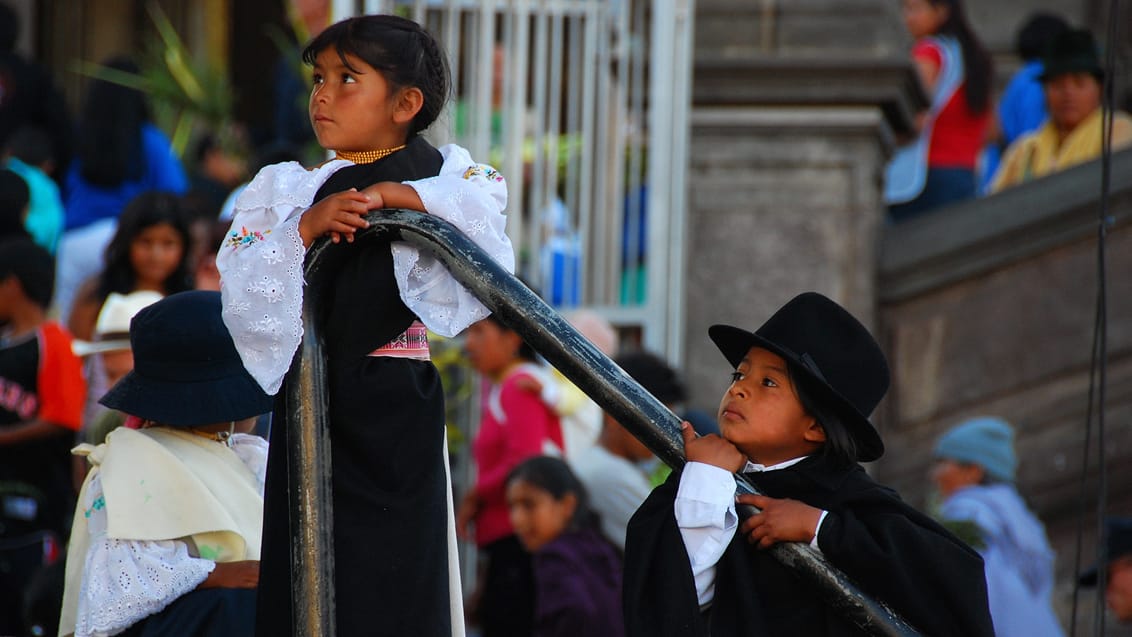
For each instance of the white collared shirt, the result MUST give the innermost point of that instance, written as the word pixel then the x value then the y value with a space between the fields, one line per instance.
pixel 706 515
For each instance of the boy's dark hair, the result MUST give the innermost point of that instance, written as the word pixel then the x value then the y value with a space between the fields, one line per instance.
pixel 204 145
pixel 31 145
pixel 32 266
pixel 554 476
pixel 144 211
pixel 14 198
pixel 110 149
pixel 1037 33
pixel 403 51
pixel 654 375
pixel 840 447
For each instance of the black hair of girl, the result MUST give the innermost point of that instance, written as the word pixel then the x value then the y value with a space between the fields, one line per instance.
pixel 403 51
pixel 977 66
pixel 109 145
pixel 145 211
pixel 839 448
pixel 554 476
pixel 526 352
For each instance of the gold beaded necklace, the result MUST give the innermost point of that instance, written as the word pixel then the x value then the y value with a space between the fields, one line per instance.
pixel 366 156
pixel 223 437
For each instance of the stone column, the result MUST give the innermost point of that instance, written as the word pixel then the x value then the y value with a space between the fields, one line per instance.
pixel 796 107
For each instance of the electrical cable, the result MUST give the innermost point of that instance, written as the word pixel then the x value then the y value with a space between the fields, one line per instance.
pixel 1099 358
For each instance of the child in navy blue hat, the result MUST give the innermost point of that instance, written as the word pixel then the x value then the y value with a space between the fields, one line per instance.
pixel 974 472
pixel 166 538
pixel 794 420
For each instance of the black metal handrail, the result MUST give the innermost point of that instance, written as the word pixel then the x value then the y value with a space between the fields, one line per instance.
pixel 562 346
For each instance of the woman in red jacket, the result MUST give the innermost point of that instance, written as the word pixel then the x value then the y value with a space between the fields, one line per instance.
pixel 515 425
pixel 939 167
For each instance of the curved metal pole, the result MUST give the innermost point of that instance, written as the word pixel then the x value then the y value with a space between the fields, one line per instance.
pixel 587 367
pixel 310 495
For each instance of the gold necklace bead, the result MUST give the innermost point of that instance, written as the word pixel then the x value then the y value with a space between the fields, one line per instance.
pixel 366 156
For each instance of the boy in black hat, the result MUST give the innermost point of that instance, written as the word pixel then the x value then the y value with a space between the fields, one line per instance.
pixel 1118 577
pixel 166 538
pixel 1072 80
pixel 795 421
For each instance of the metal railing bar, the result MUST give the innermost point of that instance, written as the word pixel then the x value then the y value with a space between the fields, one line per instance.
pixel 562 346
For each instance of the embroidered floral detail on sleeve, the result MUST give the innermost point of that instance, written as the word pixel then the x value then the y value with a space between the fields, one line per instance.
pixel 477 227
pixel 270 288
pixel 487 172
pixel 246 237
pixel 268 324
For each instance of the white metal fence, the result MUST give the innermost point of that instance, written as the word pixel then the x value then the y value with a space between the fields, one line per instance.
pixel 583 105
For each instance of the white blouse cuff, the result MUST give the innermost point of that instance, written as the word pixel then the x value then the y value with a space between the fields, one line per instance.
pixel 126 581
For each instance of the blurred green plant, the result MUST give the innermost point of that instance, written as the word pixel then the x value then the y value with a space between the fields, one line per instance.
pixel 187 94
pixel 457 377
pixel 965 530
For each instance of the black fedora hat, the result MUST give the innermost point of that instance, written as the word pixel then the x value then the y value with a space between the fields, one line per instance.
pixel 820 339
pixel 1118 543
pixel 186 369
pixel 1074 51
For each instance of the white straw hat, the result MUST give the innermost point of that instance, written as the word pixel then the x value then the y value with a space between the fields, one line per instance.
pixel 112 331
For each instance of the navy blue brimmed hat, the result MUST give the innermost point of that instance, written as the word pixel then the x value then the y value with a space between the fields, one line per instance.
pixel 1118 541
pixel 1074 51
pixel 820 339
pixel 186 369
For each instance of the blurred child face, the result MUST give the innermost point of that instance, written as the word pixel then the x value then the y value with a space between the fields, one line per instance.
pixel 626 444
pixel 922 18
pixel 117 364
pixel 536 516
pixel 352 110
pixel 1118 594
pixel 950 476
pixel 761 415
pixel 155 254
pixel 1071 97
pixel 490 348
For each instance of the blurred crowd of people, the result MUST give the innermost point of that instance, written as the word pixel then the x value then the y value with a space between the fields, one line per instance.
pixel 106 228
pixel 1048 117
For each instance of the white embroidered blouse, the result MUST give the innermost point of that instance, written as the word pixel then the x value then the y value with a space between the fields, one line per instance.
pixel 125 581
pixel 261 260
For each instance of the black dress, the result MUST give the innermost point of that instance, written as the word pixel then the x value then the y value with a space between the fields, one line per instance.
pixel 891 550
pixel 387 432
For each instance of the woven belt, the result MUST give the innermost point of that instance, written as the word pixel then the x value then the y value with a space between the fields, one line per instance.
pixel 412 343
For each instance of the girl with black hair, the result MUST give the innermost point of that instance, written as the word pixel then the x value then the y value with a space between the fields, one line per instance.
pixel 379 81
pixel 956 71
pixel 149 251
pixel 794 421
pixel 515 424
pixel 577 572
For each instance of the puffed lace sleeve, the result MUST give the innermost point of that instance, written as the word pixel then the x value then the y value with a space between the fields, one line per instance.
pixel 261 268
pixel 125 581
pixel 471 197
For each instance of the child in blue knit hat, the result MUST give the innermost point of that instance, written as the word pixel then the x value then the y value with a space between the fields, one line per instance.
pixel 974 472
